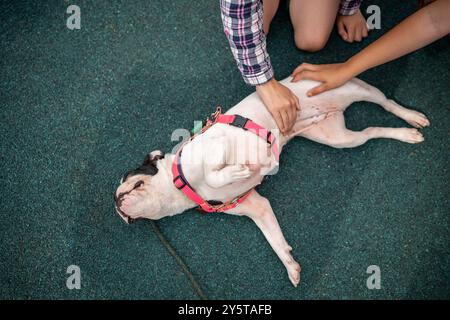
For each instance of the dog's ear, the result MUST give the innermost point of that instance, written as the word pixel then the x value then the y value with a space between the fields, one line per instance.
pixel 152 157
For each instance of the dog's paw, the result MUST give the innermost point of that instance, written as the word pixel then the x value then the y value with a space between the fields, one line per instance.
pixel 238 173
pixel 294 270
pixel 416 119
pixel 292 267
pixel 410 135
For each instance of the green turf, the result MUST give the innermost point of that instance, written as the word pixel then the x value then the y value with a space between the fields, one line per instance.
pixel 78 108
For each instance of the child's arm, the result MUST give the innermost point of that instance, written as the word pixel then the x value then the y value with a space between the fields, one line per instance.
pixel 243 26
pixel 420 29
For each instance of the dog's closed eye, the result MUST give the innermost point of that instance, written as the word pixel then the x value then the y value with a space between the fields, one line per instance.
pixel 138 184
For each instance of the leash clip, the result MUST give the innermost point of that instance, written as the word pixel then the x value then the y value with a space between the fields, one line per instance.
pixel 216 113
pixel 212 119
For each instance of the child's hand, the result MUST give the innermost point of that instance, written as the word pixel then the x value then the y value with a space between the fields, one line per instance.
pixel 331 76
pixel 281 103
pixel 352 28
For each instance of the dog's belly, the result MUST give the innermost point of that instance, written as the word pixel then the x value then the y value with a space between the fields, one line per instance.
pixel 313 109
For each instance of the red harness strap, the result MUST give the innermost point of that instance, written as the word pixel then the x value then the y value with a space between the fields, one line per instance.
pixel 247 124
pixel 182 184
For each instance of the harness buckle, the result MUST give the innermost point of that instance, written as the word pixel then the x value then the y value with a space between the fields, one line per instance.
pixel 182 180
pixel 239 121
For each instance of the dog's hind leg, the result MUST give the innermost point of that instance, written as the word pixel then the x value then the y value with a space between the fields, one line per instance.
pixel 372 94
pixel 332 132
pixel 259 210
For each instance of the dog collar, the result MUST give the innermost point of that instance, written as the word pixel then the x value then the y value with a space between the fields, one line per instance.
pixel 180 181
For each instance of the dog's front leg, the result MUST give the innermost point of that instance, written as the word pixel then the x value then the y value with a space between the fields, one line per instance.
pixel 218 172
pixel 259 210
pixel 218 178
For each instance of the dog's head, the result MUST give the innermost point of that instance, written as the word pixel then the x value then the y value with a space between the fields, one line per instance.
pixel 140 194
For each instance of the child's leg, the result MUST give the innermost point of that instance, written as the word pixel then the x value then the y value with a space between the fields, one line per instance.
pixel 313 22
pixel 270 7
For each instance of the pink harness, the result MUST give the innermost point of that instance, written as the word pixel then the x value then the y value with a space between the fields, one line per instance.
pixel 238 121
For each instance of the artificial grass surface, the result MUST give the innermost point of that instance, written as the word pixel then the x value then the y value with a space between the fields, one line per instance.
pixel 81 107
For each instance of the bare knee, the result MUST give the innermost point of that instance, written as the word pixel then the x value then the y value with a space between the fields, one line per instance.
pixel 309 42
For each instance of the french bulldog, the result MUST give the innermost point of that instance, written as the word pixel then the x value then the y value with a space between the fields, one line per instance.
pixel 225 161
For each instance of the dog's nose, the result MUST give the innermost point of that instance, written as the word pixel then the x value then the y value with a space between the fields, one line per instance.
pixel 119 198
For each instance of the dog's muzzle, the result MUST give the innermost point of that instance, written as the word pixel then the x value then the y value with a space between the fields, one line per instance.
pixel 123 215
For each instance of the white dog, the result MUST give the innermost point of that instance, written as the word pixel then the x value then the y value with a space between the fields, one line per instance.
pixel 225 162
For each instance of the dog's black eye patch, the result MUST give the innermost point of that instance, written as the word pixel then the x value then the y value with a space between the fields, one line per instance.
pixel 148 169
pixel 146 160
pixel 152 160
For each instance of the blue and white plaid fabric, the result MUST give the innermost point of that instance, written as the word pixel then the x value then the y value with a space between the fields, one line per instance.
pixel 243 26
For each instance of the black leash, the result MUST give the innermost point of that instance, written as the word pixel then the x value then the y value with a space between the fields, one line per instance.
pixel 198 290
